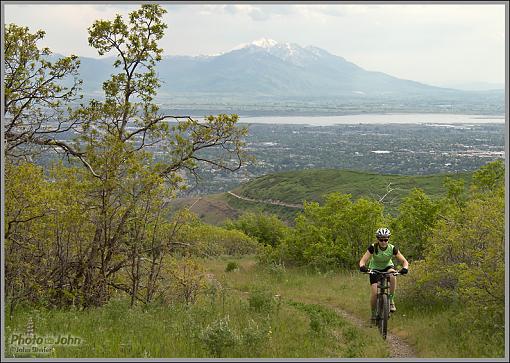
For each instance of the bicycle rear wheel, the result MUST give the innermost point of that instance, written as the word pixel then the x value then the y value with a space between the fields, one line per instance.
pixel 384 313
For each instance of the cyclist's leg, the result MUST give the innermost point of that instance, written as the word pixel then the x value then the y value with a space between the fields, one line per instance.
pixel 393 286
pixel 373 303
pixel 373 296
pixel 393 283
pixel 373 290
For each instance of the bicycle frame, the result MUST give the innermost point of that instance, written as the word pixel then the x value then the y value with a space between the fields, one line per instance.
pixel 383 305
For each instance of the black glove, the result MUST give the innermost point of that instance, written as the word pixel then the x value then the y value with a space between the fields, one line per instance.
pixel 403 271
pixel 363 268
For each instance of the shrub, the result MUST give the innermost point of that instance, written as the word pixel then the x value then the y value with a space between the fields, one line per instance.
pixel 208 240
pixel 254 336
pixel 232 266
pixel 268 230
pixel 187 280
pixel 261 300
pixel 218 335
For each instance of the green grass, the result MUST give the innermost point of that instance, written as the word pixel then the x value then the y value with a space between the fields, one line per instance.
pixel 272 312
pixel 427 328
pixel 312 185
pixel 236 323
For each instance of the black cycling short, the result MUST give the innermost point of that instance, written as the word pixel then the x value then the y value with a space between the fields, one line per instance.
pixel 374 278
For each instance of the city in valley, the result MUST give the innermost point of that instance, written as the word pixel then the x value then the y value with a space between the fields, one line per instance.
pixel 407 149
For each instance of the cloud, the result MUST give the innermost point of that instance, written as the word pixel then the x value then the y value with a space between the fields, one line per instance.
pixel 65 24
pixel 416 41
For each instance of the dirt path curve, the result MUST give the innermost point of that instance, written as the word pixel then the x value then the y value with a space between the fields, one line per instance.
pixel 271 202
pixel 398 346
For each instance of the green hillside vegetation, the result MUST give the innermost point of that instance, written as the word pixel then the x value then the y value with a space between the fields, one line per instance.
pixel 94 249
pixel 213 208
pixel 455 245
pixel 313 185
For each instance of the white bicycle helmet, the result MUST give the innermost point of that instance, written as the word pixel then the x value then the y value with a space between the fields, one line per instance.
pixel 383 232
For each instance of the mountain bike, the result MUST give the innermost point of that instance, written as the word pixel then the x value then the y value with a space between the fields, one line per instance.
pixel 383 300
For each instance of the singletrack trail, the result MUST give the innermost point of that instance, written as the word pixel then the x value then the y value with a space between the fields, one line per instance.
pixel 271 202
pixel 399 348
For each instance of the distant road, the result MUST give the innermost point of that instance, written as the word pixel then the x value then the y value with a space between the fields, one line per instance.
pixel 270 201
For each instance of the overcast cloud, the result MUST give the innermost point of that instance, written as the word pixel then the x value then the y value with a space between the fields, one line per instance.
pixel 438 44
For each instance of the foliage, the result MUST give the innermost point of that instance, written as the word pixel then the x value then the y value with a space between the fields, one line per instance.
pixel 332 235
pixel 44 234
pixel 490 177
pixel 464 261
pixel 413 226
pixel 218 335
pixel 37 93
pixel 207 240
pixel 232 266
pixel 103 227
pixel 267 229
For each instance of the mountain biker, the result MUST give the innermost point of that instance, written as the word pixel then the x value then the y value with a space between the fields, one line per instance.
pixel 380 255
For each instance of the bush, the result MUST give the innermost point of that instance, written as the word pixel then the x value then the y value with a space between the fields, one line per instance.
pixel 187 279
pixel 218 335
pixel 266 229
pixel 232 266
pixel 261 299
pixel 208 240
pixel 254 336
pixel 464 258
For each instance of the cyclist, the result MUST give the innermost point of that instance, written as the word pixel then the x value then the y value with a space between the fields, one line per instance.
pixel 380 255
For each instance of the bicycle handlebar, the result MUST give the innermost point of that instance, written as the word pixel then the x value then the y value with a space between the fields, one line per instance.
pixel 375 272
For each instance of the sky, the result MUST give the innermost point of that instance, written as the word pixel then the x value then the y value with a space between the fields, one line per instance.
pixel 437 44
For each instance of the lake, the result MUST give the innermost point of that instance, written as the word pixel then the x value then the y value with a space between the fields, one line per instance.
pixel 391 118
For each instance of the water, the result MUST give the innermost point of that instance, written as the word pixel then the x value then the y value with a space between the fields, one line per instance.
pixel 391 118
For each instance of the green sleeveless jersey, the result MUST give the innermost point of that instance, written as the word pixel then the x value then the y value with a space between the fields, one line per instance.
pixel 382 258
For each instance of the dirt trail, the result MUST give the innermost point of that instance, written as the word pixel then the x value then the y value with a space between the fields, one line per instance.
pixel 271 201
pixel 398 346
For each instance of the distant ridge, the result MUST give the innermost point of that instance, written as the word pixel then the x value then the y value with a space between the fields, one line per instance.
pixel 295 187
pixel 269 68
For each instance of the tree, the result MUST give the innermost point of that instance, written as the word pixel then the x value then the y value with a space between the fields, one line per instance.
pixel 36 91
pixel 47 228
pixel 116 134
pixel 333 234
pixel 464 263
pixel 267 229
pixel 490 177
pixel 124 187
pixel 413 226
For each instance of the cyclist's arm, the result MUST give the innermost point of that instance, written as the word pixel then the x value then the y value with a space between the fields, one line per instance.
pixel 402 259
pixel 364 259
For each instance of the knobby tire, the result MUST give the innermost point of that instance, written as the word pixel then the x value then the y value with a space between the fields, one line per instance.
pixel 384 311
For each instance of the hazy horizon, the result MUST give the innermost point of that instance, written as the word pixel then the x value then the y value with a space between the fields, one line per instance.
pixel 444 45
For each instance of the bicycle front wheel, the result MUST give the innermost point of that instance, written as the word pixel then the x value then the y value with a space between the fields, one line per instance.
pixel 384 314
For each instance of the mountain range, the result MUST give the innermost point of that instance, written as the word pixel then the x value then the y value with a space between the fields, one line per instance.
pixel 266 68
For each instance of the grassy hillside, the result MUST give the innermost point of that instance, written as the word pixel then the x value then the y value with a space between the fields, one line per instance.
pixel 212 209
pixel 314 184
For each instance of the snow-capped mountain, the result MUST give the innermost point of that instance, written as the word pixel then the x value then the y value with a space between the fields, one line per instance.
pixel 266 67
pixel 288 52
